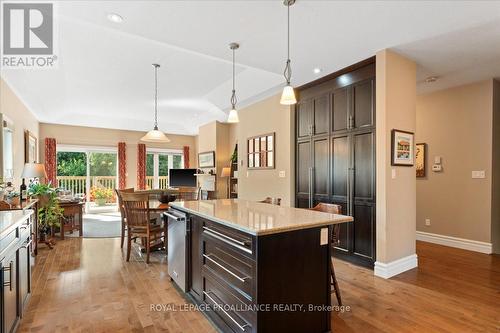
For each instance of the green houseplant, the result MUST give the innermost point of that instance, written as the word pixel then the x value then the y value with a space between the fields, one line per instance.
pixel 49 212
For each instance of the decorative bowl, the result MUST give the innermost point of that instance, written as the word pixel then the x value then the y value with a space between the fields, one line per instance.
pixel 166 197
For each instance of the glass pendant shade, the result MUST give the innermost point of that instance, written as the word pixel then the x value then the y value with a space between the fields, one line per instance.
pixel 288 96
pixel 233 116
pixel 155 136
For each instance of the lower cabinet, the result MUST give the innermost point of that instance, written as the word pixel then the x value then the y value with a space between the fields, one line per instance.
pixel 16 260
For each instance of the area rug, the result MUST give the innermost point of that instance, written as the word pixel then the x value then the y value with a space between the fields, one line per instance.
pixel 103 225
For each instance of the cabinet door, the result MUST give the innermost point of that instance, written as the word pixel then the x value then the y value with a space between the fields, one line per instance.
pixel 340 175
pixel 320 168
pixel 363 195
pixel 24 274
pixel 321 115
pixel 363 104
pixel 303 168
pixel 9 292
pixel 340 109
pixel 304 118
pixel 195 256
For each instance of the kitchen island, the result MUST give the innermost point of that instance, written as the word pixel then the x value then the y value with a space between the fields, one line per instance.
pixel 255 267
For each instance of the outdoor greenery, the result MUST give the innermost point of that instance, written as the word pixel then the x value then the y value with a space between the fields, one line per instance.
pixel 101 193
pixel 163 164
pixel 75 164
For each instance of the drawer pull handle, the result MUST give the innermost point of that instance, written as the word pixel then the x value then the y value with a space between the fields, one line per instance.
pixel 225 312
pixel 27 245
pixel 242 279
pixel 10 270
pixel 228 240
pixel 24 227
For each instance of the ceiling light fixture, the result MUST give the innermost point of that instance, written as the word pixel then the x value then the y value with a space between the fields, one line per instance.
pixel 317 70
pixel 431 79
pixel 113 17
pixel 288 95
pixel 233 114
pixel 155 135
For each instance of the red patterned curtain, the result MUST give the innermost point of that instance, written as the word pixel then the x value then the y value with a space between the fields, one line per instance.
pixel 186 157
pixel 122 168
pixel 141 166
pixel 51 161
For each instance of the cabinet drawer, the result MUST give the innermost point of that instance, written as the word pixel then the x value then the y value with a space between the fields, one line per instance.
pixel 228 237
pixel 232 310
pixel 229 266
pixel 11 238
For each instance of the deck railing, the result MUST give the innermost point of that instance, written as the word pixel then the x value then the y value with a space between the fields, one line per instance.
pixel 77 184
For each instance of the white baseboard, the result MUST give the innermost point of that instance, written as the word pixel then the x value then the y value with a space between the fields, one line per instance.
pixel 395 267
pixel 461 243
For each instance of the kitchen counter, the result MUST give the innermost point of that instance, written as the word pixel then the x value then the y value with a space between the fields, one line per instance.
pixel 9 219
pixel 259 267
pixel 258 218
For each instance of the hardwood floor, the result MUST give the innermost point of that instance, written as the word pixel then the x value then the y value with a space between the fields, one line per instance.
pixel 85 285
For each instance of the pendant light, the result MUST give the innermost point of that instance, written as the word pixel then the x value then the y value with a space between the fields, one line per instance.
pixel 233 114
pixel 155 135
pixel 288 95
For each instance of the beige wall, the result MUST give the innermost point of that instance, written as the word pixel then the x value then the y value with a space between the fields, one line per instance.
pixel 23 119
pixel 260 118
pixel 495 198
pixel 456 124
pixel 88 136
pixel 395 102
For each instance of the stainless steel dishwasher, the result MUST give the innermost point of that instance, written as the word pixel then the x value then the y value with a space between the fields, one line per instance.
pixel 177 242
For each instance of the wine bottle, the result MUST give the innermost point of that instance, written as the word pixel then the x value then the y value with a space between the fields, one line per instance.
pixel 23 191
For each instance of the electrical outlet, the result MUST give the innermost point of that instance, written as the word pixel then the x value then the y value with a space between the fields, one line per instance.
pixel 427 222
pixel 282 174
pixel 478 174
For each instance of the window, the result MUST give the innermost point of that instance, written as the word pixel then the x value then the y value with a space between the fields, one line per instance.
pixel 158 162
pixel 261 151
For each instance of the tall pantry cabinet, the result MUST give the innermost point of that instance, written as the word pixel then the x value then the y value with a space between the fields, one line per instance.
pixel 335 154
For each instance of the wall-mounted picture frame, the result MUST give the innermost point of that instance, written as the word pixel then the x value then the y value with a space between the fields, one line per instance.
pixel 30 147
pixel 420 159
pixel 206 159
pixel 402 148
pixel 261 151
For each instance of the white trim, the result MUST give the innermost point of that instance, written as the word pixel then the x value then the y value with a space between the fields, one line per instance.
pixel 152 150
pixel 395 267
pixel 85 149
pixel 460 243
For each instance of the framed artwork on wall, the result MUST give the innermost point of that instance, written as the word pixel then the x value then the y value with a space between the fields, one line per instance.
pixel 261 151
pixel 420 156
pixel 30 147
pixel 402 148
pixel 206 159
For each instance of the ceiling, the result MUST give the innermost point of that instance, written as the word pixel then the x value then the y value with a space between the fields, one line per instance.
pixel 104 76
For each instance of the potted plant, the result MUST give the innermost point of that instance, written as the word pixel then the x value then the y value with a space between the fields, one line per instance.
pixel 13 198
pixel 49 212
pixel 101 195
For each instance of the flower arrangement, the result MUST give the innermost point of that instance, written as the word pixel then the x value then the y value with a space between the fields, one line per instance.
pixel 101 195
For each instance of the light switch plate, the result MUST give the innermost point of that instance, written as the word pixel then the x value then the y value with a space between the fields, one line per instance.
pixel 282 174
pixel 437 159
pixel 427 222
pixel 393 173
pixel 479 174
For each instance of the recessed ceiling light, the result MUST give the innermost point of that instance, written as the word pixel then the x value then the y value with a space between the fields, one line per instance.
pixel 113 17
pixel 431 79
pixel 317 70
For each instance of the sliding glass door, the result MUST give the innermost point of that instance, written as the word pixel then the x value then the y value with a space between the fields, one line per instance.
pixel 89 173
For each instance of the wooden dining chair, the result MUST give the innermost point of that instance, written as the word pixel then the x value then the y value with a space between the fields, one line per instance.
pixel 272 201
pixel 332 209
pixel 138 215
pixel 188 193
pixel 122 211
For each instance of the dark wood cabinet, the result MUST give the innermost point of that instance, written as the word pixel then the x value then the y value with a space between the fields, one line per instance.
pixel 341 164
pixel 16 260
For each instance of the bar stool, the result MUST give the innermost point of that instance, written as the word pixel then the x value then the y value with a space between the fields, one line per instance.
pixel 332 209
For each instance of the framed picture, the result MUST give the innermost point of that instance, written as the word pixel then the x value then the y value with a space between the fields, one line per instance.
pixel 206 159
pixel 402 148
pixel 30 147
pixel 420 157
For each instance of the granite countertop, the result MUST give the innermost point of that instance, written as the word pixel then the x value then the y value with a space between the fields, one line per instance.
pixel 258 218
pixel 9 218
